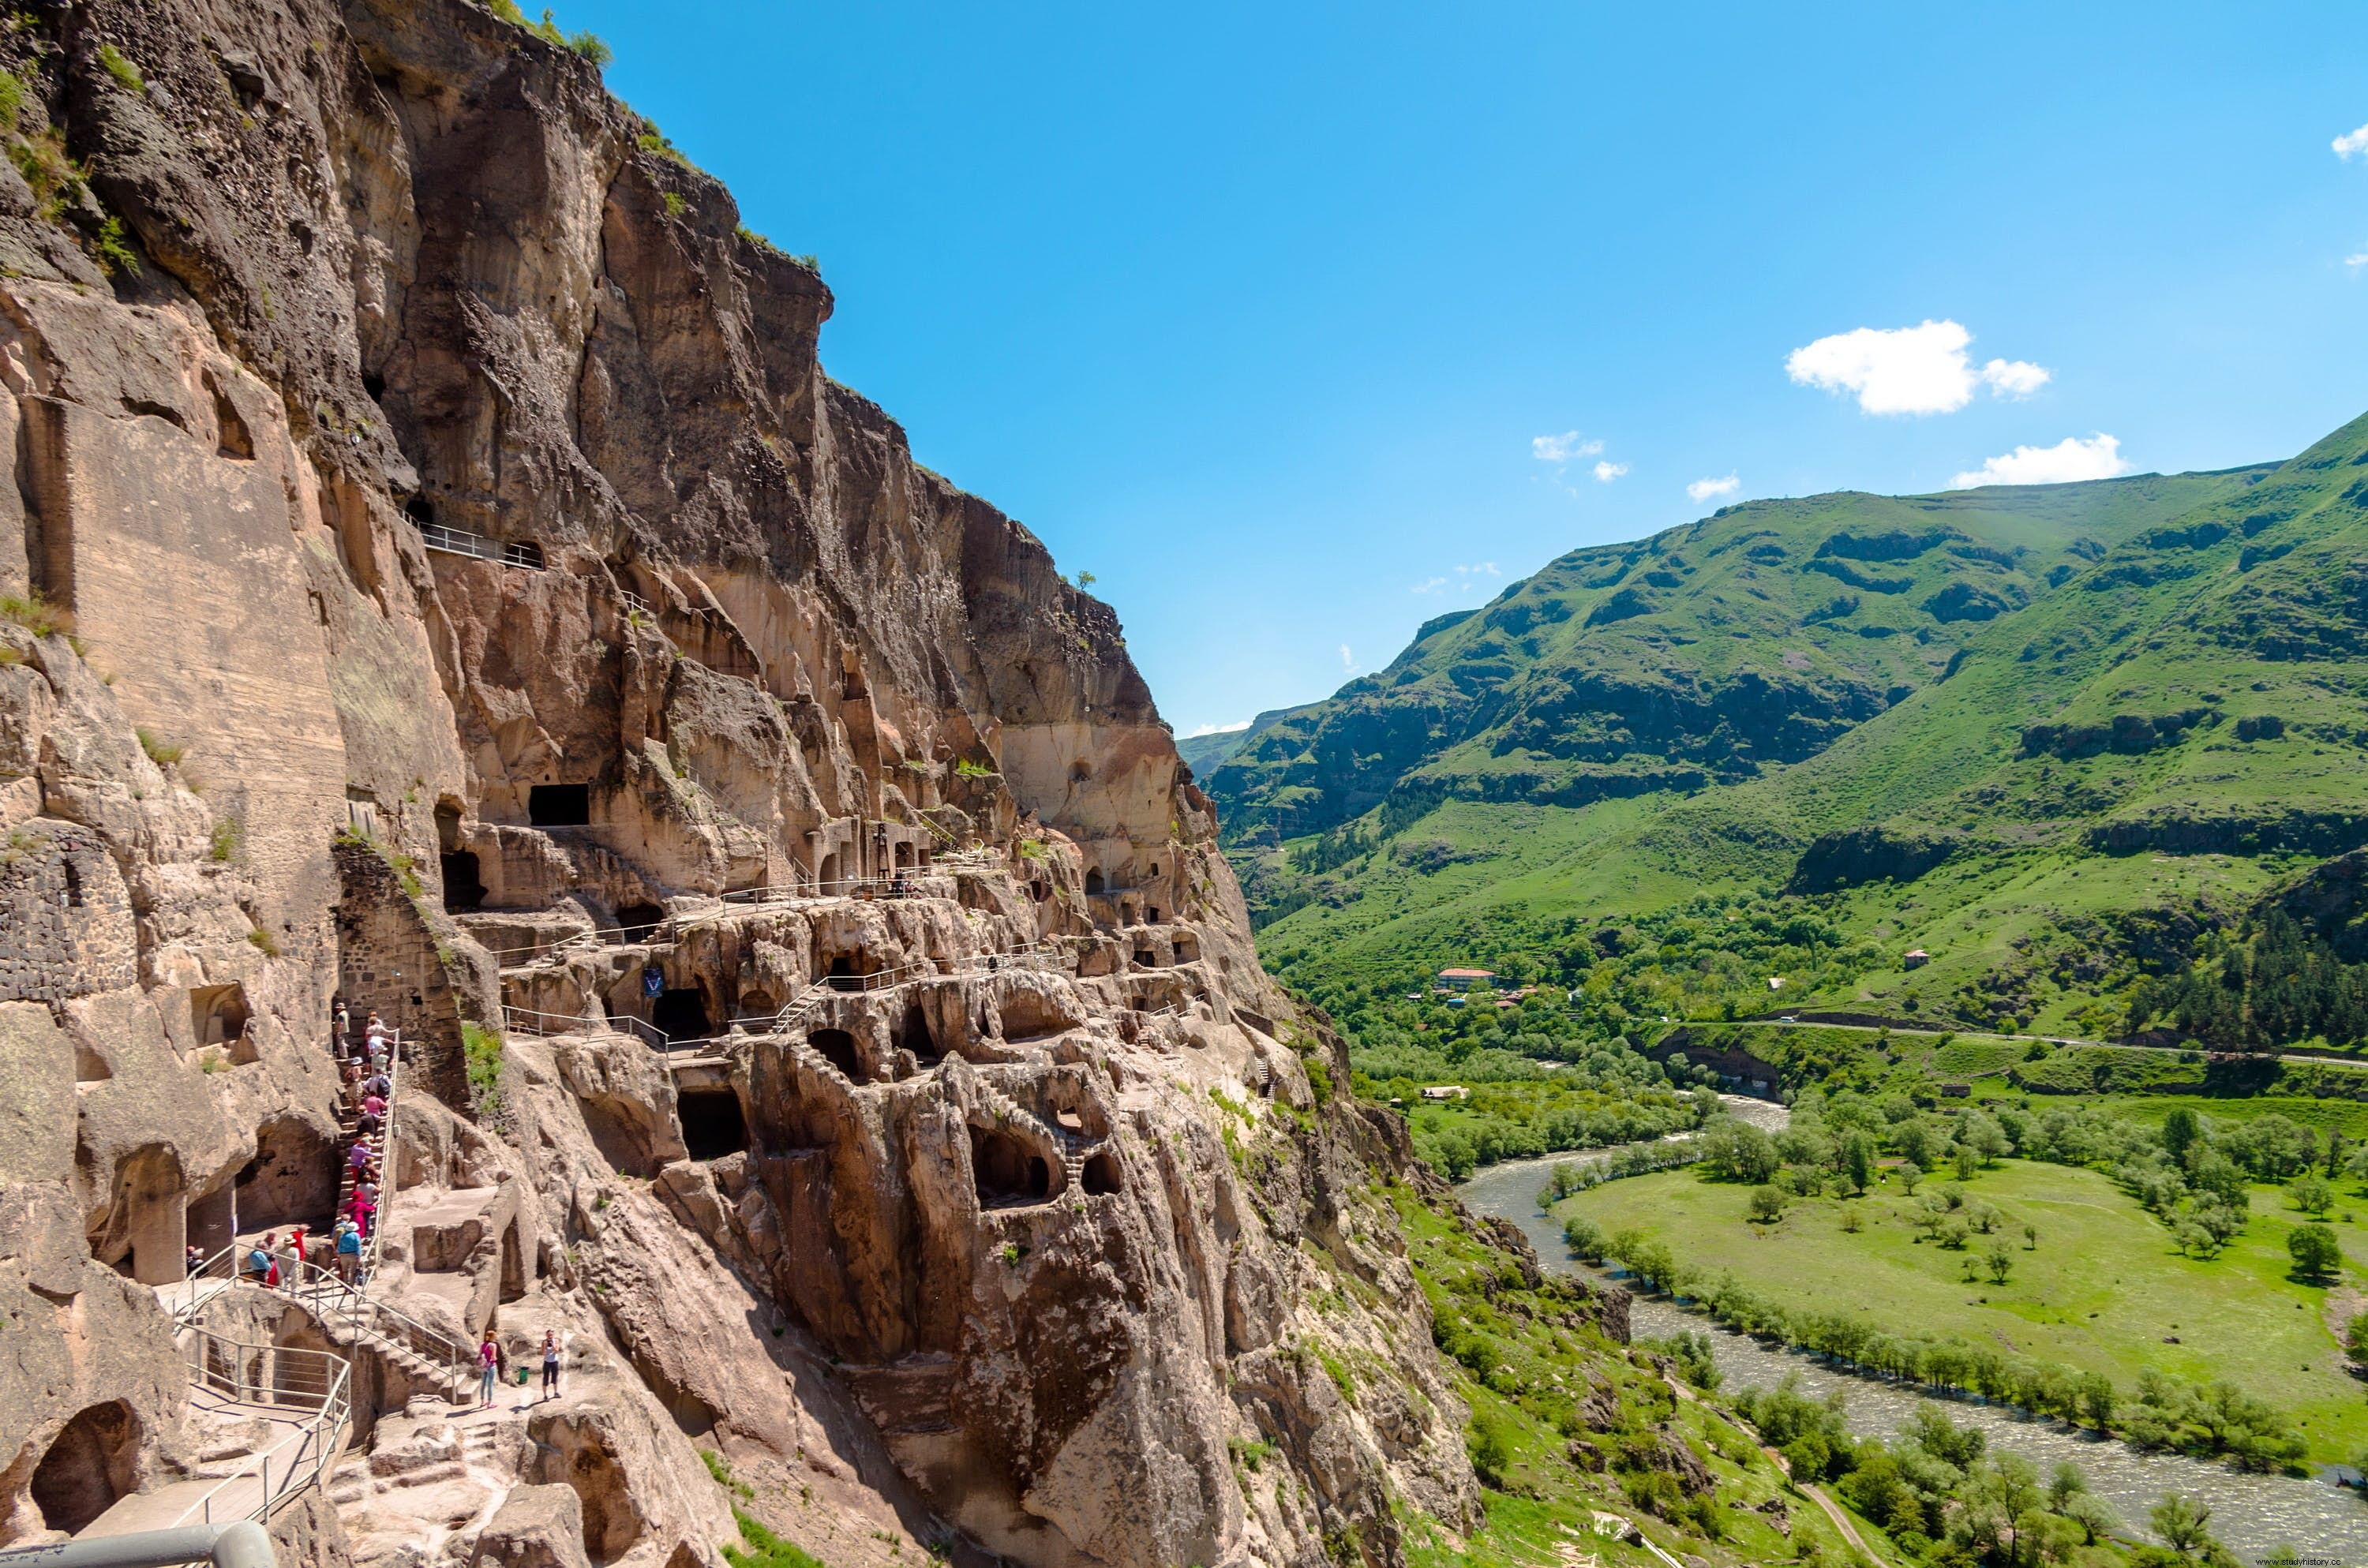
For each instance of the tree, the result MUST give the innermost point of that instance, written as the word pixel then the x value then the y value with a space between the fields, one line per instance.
pixel 2311 1194
pixel 1910 1177
pixel 2316 1252
pixel 2097 1399
pixel 2179 1520
pixel 2355 1338
pixel 2030 1237
pixel 2000 1259
pixel 1740 1151
pixel 2179 1131
pixel 1858 1160
pixel 1966 1161
pixel 1766 1205
pixel 1852 1221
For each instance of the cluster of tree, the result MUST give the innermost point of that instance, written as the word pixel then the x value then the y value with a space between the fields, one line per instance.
pixel 2276 983
pixel 1835 1142
pixel 1932 1487
pixel 1516 1107
pixel 1629 1160
pixel 2207 1420
pixel 2192 1175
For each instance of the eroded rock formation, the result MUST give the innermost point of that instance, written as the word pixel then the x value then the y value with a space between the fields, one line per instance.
pixel 440 574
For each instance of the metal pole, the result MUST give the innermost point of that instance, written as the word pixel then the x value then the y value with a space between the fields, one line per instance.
pixel 242 1544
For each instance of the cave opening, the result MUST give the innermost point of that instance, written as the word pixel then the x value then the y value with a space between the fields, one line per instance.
pixel 92 1465
pixel 218 1012
pixel 464 884
pixel 915 1036
pixel 559 805
pixel 680 1014
pixel 837 1047
pixel 713 1123
pixel 638 922
pixel 1101 1174
pixel 1006 1171
pixel 1094 882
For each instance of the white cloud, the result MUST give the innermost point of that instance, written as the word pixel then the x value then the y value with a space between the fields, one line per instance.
pixel 2356 260
pixel 1218 730
pixel 1428 586
pixel 1713 489
pixel 2099 457
pixel 1909 369
pixel 1605 472
pixel 2351 142
pixel 1562 448
pixel 1348 660
pixel 1461 578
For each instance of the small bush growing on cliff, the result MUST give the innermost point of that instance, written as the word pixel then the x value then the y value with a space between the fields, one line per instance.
pixel 481 1048
pixel 34 613
pixel 12 100
pixel 113 252
pixel 159 752
pixel 222 844
pixel 761 1548
pixel 675 205
pixel 264 942
pixel 127 75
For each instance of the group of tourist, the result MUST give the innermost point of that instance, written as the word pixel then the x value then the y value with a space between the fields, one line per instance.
pixel 276 1261
pixel 492 1357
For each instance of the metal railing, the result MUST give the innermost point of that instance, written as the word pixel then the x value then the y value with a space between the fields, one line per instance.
pixel 375 1245
pixel 477 547
pixel 306 1379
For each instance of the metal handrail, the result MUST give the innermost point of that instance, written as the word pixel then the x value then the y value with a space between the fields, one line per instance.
pixel 477 547
pixel 332 1412
pixel 333 1299
pixel 386 1154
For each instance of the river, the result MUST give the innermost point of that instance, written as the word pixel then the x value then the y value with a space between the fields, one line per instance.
pixel 2323 1521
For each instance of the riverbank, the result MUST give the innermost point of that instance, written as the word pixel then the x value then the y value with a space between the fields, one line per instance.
pixel 2250 1513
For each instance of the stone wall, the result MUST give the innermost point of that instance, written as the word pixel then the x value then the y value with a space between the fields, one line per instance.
pixel 65 916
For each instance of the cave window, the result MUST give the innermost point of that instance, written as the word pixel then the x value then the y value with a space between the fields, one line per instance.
pixel 1094 880
pixel 464 886
pixel 915 1036
pixel 559 805
pixel 91 1465
pixel 1145 958
pixel 374 384
pixel 712 1124
pixel 842 975
pixel 1151 915
pixel 1101 1174
pixel 219 1013
pixel 903 856
pixel 1188 949
pixel 1006 1172
pixel 638 922
pixel 523 552
pixel 837 1047
pixel 1155 868
pixel 72 897
pixel 420 510
pixel 1040 891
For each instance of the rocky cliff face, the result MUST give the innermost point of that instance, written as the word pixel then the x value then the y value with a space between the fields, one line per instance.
pixel 438 573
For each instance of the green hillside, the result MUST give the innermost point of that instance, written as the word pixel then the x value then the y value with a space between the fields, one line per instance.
pixel 2056 735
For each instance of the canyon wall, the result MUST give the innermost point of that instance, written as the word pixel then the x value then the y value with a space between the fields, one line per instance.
pixel 439 576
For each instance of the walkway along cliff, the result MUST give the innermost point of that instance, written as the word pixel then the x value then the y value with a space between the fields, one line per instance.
pixel 439 575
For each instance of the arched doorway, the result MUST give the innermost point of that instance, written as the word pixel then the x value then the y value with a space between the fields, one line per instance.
pixel 91 1465
pixel 1094 882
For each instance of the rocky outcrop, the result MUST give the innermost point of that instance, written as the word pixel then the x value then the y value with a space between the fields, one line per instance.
pixel 439 575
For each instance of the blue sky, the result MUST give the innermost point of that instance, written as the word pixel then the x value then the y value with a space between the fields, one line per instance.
pixel 1258 312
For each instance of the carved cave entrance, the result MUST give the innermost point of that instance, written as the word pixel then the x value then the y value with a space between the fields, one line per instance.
pixel 559 805
pixel 1094 882
pixel 638 922
pixel 680 1014
pixel 713 1123
pixel 1100 1173
pixel 92 1465
pixel 837 1047
pixel 1006 1171
pixel 464 883
pixel 914 1035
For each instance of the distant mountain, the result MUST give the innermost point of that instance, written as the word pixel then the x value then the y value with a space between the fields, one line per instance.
pixel 1973 722
pixel 1203 754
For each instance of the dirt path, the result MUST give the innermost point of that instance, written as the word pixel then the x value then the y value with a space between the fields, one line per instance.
pixel 1816 1495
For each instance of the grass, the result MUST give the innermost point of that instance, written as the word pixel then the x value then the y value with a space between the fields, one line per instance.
pixel 34 613
pixel 2105 1290
pixel 159 751
pixel 760 1548
pixel 480 1049
pixel 127 75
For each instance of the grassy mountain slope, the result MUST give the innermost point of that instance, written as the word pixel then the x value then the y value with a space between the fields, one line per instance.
pixel 2070 721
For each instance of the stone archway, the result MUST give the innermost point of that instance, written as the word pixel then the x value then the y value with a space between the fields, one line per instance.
pixel 1007 1172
